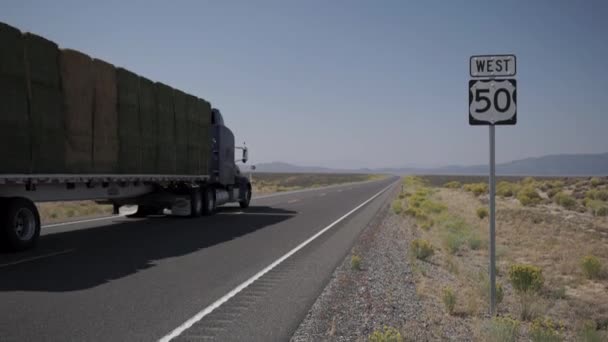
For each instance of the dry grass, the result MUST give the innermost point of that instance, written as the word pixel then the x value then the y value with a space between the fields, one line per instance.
pixel 265 183
pixel 547 235
pixel 51 212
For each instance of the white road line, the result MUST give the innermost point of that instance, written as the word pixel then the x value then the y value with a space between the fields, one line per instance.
pixel 293 201
pixel 200 315
pixel 83 221
pixel 37 258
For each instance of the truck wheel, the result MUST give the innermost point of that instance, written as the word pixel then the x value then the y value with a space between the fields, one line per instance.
pixel 144 211
pixel 19 224
pixel 245 202
pixel 196 202
pixel 209 202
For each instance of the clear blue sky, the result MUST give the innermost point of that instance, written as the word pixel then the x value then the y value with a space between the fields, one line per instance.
pixel 356 83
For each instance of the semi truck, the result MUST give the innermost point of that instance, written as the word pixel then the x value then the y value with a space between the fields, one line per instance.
pixel 76 128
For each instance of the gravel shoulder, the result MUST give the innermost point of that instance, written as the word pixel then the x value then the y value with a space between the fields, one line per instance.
pixel 383 292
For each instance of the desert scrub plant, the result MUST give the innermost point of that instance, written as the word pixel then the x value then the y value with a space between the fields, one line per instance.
pixel 476 188
pixel 564 200
pixel 355 262
pixel 422 249
pixel 589 333
pixel 545 331
pixel 474 241
pixel 449 299
pixel 597 207
pixel 595 181
pixel 506 189
pixel 501 329
pixel 595 194
pixel 528 196
pixel 484 288
pixel 452 185
pixel 397 207
pixel 482 212
pixel 526 278
pixel 387 334
pixel 592 267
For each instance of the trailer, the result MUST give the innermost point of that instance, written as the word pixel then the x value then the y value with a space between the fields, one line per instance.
pixel 73 127
pixel 183 195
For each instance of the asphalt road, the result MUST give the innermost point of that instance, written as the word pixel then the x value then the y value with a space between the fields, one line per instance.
pixel 147 279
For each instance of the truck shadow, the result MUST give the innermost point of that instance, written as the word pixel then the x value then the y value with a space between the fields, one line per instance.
pixel 98 255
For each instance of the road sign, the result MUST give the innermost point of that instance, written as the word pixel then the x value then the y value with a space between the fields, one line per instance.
pixel 493 102
pixel 492 66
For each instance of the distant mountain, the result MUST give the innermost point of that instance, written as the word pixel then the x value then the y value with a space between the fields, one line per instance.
pixel 552 165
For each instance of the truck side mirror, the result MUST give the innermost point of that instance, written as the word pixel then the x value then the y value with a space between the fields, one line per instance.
pixel 245 154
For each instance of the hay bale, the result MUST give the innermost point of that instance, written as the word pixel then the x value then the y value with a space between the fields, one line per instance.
pixel 14 126
pixel 42 60
pixel 129 150
pixel 78 90
pixel 180 105
pixel 148 123
pixel 47 129
pixel 105 118
pixel 193 136
pixel 12 59
pixel 166 129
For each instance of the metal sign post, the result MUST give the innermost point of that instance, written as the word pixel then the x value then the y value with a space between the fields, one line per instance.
pixel 492 181
pixel 492 102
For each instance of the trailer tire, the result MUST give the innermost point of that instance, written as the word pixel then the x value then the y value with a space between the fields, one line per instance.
pixel 196 202
pixel 145 210
pixel 209 204
pixel 245 202
pixel 19 224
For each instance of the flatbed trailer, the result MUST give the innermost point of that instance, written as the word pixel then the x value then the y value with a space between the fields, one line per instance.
pixel 184 195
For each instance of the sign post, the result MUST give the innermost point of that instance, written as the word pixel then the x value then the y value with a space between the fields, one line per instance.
pixel 492 101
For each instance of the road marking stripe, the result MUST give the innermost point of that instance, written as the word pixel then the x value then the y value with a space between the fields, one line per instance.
pixel 37 258
pixel 82 221
pixel 293 201
pixel 200 315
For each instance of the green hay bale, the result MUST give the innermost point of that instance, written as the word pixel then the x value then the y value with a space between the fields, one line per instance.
pixel 105 118
pixel 148 123
pixel 194 165
pixel 14 126
pixel 180 105
pixel 12 59
pixel 129 150
pixel 47 129
pixel 78 90
pixel 166 129
pixel 42 58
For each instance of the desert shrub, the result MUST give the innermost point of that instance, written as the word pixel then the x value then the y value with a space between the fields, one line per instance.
pixel 552 192
pixel 413 181
pixel 397 207
pixel 452 185
pixel 476 188
pixel 449 300
pixel 432 207
pixel 592 266
pixel 597 207
pixel 453 241
pixel 484 288
pixel 501 329
pixel 528 181
pixel 594 194
pixel 545 331
pixel 402 195
pixel 355 262
pixel 528 196
pixel 506 189
pixel 530 306
pixel 482 212
pixel 525 278
pixel 387 334
pixel 555 184
pixel 474 241
pixel 564 200
pixel 595 181
pixel 589 333
pixel 70 213
pixel 422 249
pixel 426 224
